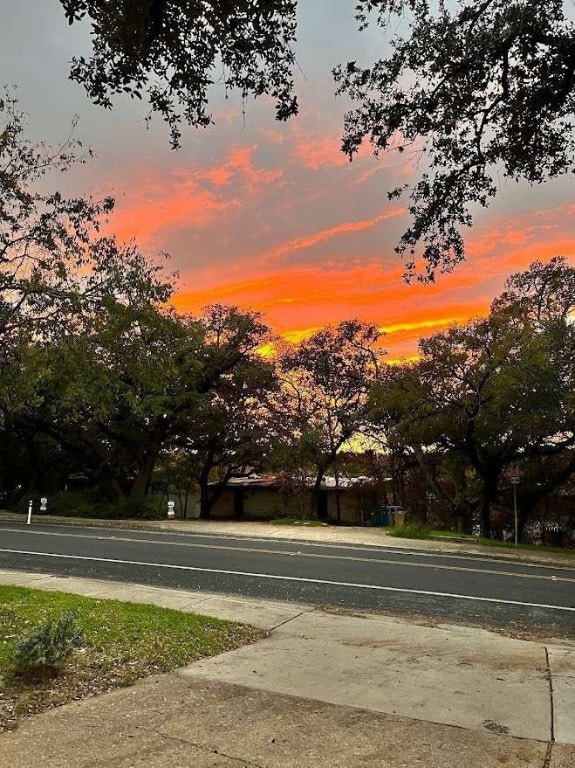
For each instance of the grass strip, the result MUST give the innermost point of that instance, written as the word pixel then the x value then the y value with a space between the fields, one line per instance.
pixel 427 534
pixel 124 642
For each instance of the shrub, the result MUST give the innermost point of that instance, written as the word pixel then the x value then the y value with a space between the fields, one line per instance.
pixel 74 503
pixel 146 508
pixel 44 651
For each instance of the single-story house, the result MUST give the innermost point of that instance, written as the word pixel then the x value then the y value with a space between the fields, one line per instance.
pixel 266 498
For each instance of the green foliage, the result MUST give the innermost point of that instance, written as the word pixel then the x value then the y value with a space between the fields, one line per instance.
pixel 43 652
pixel 71 504
pixel 87 504
pixel 56 271
pixel 145 508
pixel 482 90
pixel 408 532
pixel 173 51
pixel 489 394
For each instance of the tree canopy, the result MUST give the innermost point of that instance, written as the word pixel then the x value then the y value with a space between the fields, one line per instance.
pixel 481 89
pixel 496 391
pixel 484 89
pixel 175 50
pixel 326 380
pixel 57 271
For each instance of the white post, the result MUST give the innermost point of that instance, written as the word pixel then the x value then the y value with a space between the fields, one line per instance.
pixel 171 510
pixel 515 511
pixel 29 512
pixel 515 483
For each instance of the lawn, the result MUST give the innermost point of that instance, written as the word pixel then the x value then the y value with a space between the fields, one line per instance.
pixel 123 642
pixel 417 532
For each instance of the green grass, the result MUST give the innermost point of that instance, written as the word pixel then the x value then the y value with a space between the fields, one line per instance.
pixel 124 642
pixel 420 532
pixel 407 532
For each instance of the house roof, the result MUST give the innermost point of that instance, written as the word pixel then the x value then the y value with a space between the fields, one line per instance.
pixel 328 483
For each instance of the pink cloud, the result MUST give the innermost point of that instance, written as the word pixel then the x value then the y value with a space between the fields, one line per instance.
pixel 315 152
pixel 165 203
pixel 239 167
pixel 321 236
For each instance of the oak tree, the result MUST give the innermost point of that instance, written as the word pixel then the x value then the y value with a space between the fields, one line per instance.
pixel 483 89
pixel 174 51
pixel 325 383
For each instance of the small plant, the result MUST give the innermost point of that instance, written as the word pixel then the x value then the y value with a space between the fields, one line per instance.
pixel 408 532
pixel 44 651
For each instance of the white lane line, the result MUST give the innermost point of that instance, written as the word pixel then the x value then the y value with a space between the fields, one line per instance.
pixel 380 548
pixel 382 562
pixel 299 579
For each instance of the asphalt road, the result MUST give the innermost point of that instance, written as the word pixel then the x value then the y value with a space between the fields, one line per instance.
pixel 461 588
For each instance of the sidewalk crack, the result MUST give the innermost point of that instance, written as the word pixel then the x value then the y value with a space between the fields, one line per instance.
pixel 292 618
pixel 551 702
pixel 551 742
pixel 208 750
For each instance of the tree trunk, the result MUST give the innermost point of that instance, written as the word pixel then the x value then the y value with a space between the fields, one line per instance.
pixel 524 514
pixel 37 481
pixel 316 490
pixel 210 494
pixel 485 517
pixel 141 484
pixel 203 481
pixel 463 519
pixel 315 494
pixel 205 503
pixel 337 496
pixel 490 480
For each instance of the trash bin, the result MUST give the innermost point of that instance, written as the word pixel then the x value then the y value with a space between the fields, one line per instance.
pixel 390 517
pixel 384 516
pixel 375 518
pixel 400 518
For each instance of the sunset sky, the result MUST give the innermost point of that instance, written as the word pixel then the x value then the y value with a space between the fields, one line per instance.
pixel 271 216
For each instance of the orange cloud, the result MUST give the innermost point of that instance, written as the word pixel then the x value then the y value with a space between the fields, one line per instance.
pixel 231 209
pixel 219 176
pixel 314 152
pixel 240 165
pixel 422 325
pixel 323 235
pixel 171 208
pixel 298 301
pixel 167 202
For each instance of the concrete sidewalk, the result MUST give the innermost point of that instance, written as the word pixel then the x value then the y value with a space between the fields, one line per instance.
pixel 322 690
